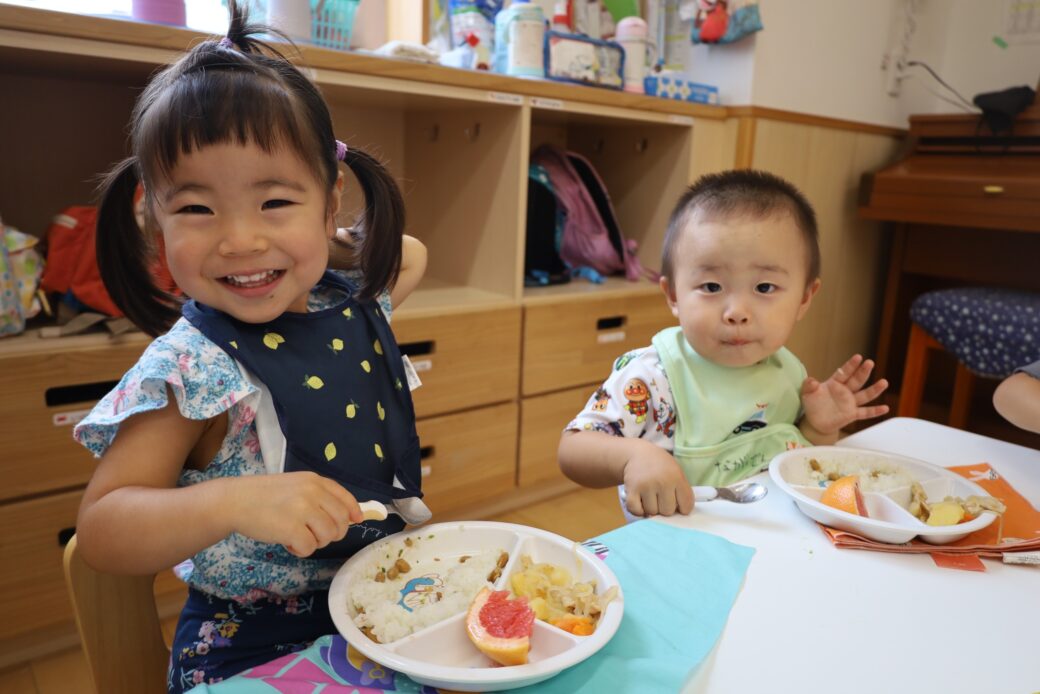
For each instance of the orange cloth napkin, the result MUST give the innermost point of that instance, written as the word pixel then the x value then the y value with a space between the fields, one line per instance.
pixel 1020 533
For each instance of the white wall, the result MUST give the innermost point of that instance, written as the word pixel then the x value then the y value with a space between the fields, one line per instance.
pixel 824 57
pixel 973 63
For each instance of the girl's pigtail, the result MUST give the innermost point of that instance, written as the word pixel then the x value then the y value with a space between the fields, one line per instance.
pixel 124 255
pixel 382 225
pixel 242 31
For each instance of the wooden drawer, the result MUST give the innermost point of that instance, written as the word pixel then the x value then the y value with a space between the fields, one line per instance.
pixel 573 342
pixel 41 396
pixel 463 359
pixel 468 457
pixel 32 585
pixel 542 419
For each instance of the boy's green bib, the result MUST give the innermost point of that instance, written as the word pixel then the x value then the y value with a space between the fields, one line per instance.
pixel 730 421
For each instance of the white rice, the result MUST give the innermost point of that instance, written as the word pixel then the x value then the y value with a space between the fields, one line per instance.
pixel 876 477
pixel 376 605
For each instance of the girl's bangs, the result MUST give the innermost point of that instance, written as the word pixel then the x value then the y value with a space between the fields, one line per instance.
pixel 219 107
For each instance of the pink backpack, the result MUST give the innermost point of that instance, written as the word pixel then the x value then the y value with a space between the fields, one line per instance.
pixel 591 235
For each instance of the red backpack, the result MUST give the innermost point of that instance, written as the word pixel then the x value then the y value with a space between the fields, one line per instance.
pixel 72 261
pixel 591 236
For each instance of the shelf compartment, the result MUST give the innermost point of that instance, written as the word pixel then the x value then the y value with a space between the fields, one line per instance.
pixel 460 161
pixel 643 158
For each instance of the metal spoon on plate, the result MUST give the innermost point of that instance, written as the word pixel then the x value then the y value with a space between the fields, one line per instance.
pixel 412 510
pixel 740 493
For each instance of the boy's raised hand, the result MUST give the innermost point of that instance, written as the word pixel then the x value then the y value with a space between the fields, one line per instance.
pixel 840 400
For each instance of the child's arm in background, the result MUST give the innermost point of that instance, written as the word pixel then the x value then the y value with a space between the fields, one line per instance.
pixel 413 262
pixel 1017 399
pixel 134 520
pixel 413 265
pixel 654 482
pixel 839 401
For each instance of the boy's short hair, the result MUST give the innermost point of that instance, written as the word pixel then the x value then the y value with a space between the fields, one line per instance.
pixel 757 194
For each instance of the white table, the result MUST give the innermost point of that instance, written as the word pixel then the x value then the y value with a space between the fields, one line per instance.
pixel 813 618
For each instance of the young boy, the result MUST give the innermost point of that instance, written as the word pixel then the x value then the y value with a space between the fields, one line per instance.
pixel 712 400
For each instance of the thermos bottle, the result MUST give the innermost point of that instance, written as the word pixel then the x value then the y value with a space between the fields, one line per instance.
pixel 631 33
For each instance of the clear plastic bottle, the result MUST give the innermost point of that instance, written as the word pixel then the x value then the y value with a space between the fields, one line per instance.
pixel 520 40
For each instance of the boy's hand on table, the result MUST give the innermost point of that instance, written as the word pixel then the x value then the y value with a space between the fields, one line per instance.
pixel 840 400
pixel 655 484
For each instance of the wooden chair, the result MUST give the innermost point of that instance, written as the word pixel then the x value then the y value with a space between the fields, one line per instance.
pixel 916 369
pixel 112 613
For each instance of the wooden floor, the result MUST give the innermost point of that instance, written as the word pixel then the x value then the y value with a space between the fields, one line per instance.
pixel 577 515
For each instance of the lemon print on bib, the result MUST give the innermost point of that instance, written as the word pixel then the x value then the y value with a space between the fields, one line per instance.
pixel 272 340
pixel 336 345
pixel 313 382
pixel 352 409
pixel 366 366
pixel 330 451
pixel 379 451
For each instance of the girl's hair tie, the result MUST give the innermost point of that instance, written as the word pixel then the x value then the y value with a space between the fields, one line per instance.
pixel 226 43
pixel 341 151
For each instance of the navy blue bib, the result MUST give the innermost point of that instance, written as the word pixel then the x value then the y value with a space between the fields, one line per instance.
pixel 341 395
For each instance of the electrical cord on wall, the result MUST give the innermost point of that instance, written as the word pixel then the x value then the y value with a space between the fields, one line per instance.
pixel 940 80
pixel 942 97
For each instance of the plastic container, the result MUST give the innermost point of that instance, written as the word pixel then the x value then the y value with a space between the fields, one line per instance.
pixel 291 17
pixel 470 18
pixel 561 19
pixel 888 519
pixel 520 40
pixel 632 33
pixel 160 11
pixel 332 22
pixel 440 655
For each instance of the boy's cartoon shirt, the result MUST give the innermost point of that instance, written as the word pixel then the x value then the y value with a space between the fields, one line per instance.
pixel 635 401
pixel 722 425
pixel 205 383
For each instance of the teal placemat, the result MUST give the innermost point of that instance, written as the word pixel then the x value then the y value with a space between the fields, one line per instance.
pixel 679 586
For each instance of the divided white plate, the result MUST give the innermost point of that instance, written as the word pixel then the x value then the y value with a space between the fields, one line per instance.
pixel 888 521
pixel 441 655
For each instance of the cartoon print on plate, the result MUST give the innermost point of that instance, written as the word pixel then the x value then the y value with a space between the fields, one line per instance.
pixel 419 590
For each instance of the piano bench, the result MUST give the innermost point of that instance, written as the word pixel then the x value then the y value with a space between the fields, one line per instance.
pixel 990 332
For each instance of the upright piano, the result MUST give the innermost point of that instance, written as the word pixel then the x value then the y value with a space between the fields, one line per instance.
pixel 965 204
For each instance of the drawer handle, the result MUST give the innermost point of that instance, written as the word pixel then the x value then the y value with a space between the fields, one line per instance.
pixel 610 323
pixel 426 452
pixel 80 392
pixel 65 534
pixel 992 190
pixel 415 349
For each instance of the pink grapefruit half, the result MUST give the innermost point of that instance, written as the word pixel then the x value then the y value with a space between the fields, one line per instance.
pixel 500 627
